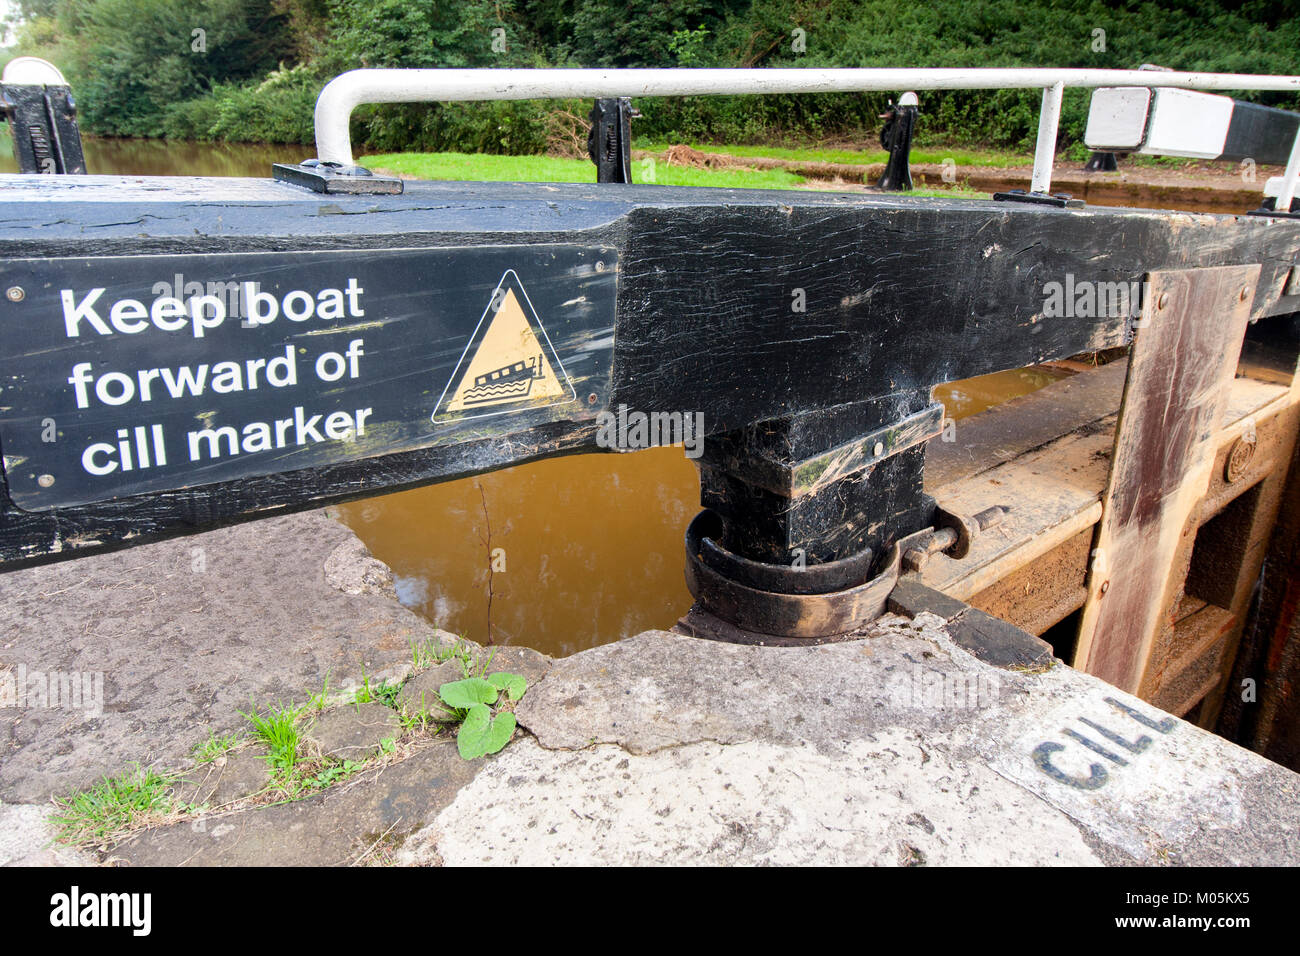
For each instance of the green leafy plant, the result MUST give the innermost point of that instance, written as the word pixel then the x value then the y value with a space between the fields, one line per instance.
pixel 382 693
pixel 332 774
pixel 481 733
pixel 472 700
pixel 463 694
pixel 513 684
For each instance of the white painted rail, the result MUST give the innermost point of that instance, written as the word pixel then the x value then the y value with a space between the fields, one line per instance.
pixel 346 92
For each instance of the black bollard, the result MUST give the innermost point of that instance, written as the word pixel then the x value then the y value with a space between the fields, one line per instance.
pixel 609 143
pixel 1101 162
pixel 896 136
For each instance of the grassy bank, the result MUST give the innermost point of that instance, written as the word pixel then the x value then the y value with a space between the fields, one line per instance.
pixel 550 169
pixel 857 157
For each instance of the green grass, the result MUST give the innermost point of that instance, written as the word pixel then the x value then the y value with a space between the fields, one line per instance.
pixel 952 192
pixel 469 168
pixel 465 167
pixel 106 811
pixel 216 745
pixel 383 693
pixel 857 157
pixel 293 773
pixel 113 805
pixel 429 652
pixel 277 728
pixel 320 701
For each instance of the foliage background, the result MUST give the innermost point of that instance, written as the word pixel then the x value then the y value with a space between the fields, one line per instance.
pixel 136 70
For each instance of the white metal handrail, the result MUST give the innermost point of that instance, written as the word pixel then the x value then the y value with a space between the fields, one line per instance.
pixel 346 92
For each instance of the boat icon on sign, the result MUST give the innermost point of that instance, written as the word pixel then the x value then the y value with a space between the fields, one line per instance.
pixel 507 382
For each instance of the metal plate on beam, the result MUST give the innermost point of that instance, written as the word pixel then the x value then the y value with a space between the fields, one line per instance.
pixel 124 375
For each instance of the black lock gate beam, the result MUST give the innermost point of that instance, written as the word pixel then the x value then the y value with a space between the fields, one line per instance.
pixel 807 329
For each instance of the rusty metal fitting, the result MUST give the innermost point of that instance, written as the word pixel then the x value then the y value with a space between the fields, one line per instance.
pixel 723 585
pixel 952 535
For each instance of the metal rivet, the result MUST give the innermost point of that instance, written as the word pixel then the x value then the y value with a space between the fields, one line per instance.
pixel 15 293
pixel 1245 292
pixel 879 449
pixel 1164 300
pixel 45 481
pixel 591 399
pixel 600 266
pixel 1105 586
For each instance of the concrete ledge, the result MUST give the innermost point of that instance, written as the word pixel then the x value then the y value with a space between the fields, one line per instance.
pixel 903 748
pixel 900 748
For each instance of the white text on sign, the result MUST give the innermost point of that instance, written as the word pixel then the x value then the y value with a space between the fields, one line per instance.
pixel 204 312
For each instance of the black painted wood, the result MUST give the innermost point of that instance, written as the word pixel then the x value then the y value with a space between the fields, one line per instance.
pixel 866 507
pixel 43 125
pixel 898 294
pixel 1260 133
pixel 248 381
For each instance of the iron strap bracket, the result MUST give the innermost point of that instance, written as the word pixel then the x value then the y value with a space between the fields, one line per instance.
pixel 321 177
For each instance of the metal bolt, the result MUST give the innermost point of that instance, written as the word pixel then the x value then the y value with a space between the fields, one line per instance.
pixel 991 517
pixel 45 481
pixel 15 293
pixel 600 266
pixel 1164 300
pixel 591 399
pixel 879 449
pixel 1245 292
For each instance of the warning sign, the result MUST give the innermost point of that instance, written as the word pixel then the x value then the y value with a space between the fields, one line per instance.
pixel 508 363
pixel 131 375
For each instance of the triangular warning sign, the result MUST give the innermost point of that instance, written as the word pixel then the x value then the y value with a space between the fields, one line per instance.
pixel 509 364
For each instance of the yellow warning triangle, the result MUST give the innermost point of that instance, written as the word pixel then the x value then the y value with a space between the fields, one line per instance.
pixel 509 361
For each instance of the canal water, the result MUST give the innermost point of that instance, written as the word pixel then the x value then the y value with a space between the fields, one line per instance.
pixel 156 157
pixel 558 555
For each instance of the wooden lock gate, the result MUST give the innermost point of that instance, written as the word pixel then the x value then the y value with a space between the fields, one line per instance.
pixel 183 353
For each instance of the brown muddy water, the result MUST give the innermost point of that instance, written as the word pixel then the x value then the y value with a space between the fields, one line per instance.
pixel 590 546
pixel 156 157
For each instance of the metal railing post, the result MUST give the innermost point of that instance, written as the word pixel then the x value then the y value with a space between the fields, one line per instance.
pixel 1049 121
